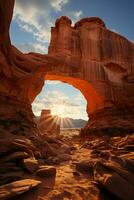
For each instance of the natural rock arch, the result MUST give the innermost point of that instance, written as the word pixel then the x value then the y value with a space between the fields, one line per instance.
pixel 94 99
pixel 89 56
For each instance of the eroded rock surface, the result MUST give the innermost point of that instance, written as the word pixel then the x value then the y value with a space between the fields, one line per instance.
pixel 16 188
pixel 113 171
pixel 87 55
pixel 97 61
pixel 46 171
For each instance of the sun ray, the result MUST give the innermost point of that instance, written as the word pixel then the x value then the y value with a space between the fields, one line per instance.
pixel 69 122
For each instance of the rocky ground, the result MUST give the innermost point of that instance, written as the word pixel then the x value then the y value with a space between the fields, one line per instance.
pixel 67 167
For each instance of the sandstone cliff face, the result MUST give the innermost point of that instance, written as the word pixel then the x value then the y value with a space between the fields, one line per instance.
pixel 97 61
pixel 97 55
pixel 100 64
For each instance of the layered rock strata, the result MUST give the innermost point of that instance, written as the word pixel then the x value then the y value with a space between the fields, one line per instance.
pixel 97 61
pixel 87 55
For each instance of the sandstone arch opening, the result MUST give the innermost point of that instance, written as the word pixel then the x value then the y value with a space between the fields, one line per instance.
pixel 93 101
pixel 60 103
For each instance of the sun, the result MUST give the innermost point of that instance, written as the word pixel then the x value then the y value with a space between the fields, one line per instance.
pixel 60 110
pixel 61 113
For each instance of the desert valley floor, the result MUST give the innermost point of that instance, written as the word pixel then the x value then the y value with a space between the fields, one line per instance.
pixel 78 168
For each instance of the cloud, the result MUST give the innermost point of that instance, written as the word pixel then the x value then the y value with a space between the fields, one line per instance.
pixel 54 100
pixel 52 82
pixel 32 47
pixel 37 17
pixel 58 4
pixel 34 16
pixel 74 15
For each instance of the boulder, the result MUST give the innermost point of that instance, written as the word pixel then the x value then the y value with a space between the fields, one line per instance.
pixel 127 163
pixel 46 171
pixel 65 148
pixel 114 179
pixel 118 186
pixel 63 157
pixel 16 188
pixel 121 171
pixel 85 167
pixel 30 164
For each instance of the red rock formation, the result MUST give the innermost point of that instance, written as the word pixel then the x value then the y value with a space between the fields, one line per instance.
pixel 98 65
pixel 47 123
pixel 97 61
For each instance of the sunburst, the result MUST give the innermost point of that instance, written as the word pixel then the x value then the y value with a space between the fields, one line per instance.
pixel 62 115
pixel 60 110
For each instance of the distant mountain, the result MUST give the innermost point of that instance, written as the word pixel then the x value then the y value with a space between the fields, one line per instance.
pixel 66 122
pixel 72 123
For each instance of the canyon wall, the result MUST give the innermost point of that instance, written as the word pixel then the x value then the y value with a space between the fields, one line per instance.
pixel 97 61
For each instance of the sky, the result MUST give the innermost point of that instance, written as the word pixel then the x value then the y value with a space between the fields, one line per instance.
pixel 30 31
pixel 64 100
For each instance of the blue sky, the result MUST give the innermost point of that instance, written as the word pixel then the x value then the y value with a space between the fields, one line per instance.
pixel 63 100
pixel 30 31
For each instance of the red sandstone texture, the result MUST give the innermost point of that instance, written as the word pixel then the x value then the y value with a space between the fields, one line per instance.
pixel 100 63
pixel 97 61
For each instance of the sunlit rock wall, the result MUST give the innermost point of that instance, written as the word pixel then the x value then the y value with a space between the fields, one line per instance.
pixel 97 61
pixel 103 58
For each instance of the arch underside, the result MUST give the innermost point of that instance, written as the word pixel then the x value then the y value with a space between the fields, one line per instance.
pixel 93 98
